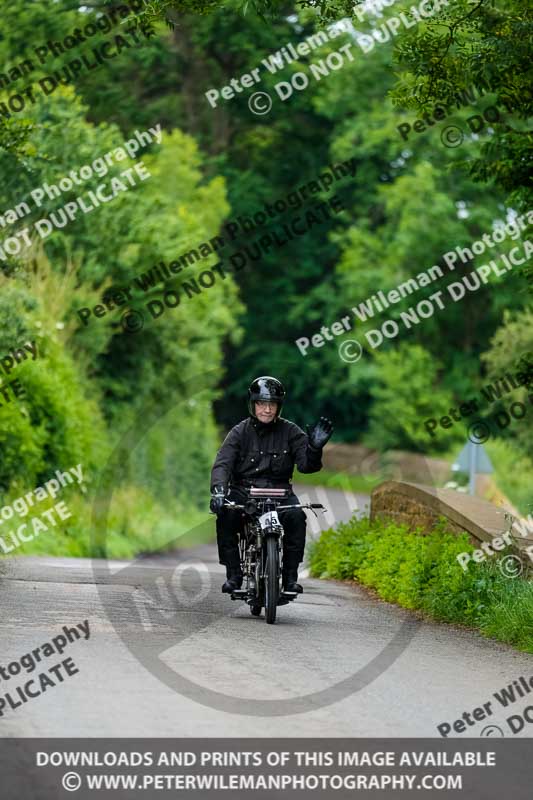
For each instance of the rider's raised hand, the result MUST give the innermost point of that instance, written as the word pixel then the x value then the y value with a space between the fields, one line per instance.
pixel 320 433
pixel 218 496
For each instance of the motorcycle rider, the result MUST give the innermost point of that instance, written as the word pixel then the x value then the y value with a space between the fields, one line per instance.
pixel 261 451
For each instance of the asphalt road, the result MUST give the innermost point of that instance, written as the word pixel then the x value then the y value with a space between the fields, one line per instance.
pixel 169 655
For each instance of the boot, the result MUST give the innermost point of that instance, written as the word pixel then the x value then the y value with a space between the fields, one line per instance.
pixel 233 582
pixel 290 573
pixel 233 575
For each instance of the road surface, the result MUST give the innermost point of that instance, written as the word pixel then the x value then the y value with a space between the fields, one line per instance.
pixel 329 647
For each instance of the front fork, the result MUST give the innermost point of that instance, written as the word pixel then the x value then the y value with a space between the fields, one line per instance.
pixel 250 546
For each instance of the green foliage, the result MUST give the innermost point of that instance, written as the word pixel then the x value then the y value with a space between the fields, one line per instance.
pixel 54 425
pixel 407 205
pixel 58 404
pixel 171 11
pixel 347 482
pixel 511 351
pixel 396 194
pixel 90 384
pixel 14 137
pixel 461 45
pixel 404 211
pixel 405 395
pixel 470 44
pixel 136 524
pixel 419 570
pixel 513 468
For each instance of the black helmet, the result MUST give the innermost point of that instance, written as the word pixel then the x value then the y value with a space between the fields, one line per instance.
pixel 265 388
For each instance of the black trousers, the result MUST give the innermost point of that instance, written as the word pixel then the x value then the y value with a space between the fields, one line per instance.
pixel 231 521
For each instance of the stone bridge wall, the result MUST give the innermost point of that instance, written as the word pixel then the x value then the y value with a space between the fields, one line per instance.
pixel 418 505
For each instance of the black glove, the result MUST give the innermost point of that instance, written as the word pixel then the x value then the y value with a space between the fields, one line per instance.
pixel 218 496
pixel 320 433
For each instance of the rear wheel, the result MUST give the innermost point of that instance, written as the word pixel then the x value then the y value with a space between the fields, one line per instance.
pixel 271 580
pixel 255 610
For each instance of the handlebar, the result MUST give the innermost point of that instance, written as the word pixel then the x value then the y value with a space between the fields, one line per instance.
pixel 229 504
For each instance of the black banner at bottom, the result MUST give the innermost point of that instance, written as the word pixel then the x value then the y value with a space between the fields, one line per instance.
pixel 474 769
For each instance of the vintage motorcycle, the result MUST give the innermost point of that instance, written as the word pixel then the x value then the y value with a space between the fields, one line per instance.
pixel 261 551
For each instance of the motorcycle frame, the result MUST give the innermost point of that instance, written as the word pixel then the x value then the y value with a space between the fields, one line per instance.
pixel 252 549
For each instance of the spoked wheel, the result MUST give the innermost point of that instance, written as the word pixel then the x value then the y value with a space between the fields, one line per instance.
pixel 255 610
pixel 271 580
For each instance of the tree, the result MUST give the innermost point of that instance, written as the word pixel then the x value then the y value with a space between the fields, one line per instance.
pixel 407 392
pixel 112 245
pixel 483 45
pixel 467 43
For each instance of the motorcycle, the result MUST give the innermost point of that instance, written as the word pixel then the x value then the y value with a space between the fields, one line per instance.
pixel 261 551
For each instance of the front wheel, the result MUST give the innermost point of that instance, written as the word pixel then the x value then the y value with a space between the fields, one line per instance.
pixel 271 580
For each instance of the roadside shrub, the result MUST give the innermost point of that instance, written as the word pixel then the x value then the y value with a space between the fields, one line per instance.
pixel 54 426
pixel 421 571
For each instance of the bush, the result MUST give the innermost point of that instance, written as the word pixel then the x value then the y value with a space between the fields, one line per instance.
pixel 54 426
pixel 421 571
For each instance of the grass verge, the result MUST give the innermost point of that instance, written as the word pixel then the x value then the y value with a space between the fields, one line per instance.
pixel 135 524
pixel 421 572
pixel 362 484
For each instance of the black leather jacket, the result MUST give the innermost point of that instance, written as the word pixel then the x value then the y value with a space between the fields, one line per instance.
pixel 263 455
